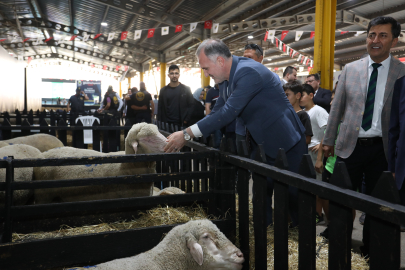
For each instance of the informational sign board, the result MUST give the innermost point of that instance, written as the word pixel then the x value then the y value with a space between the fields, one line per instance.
pixel 92 90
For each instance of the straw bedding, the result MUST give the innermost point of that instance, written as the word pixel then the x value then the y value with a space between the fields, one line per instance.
pixel 169 215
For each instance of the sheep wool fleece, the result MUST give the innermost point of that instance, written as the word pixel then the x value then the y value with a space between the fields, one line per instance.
pixel 43 142
pixel 18 151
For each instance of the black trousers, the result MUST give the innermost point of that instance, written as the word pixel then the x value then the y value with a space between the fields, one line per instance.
pixel 369 160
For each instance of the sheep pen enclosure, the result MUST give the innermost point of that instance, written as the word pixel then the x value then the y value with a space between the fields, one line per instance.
pixel 208 177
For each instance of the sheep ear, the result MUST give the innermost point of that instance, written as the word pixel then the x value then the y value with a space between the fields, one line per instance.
pixel 195 249
pixel 135 146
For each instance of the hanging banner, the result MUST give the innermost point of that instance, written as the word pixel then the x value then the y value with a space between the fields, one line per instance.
pixel 92 89
pixel 283 34
pixel 179 28
pixel 137 34
pixel 298 35
pixel 165 30
pixel 124 35
pixel 193 26
pixel 215 29
pixel 208 24
pixel 271 34
pixel 110 36
pixel 151 32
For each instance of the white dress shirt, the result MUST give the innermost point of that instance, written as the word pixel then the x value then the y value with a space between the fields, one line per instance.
pixel 375 130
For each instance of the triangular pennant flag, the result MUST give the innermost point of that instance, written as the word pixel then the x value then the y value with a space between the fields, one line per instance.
pixel 73 38
pixel 271 34
pixel 85 37
pixel 92 65
pixel 299 57
pixel 124 35
pixel 165 30
pixel 291 53
pixel 125 68
pixel 277 42
pixel 298 35
pixel 312 63
pixel 265 35
pixel 344 32
pixel 208 24
pixel 215 29
pixel 151 32
pixel 4 39
pixel 193 26
pixel 14 39
pixel 283 34
pixel 19 57
pixel 280 45
pixel 276 68
pixel 288 49
pixel 178 28
pixel 359 33
pixel 312 34
pixel 105 67
pixel 96 36
pixel 26 39
pixel 118 67
pixel 137 34
pixel 309 69
pixel 284 47
pixel 295 53
pixel 305 59
pixel 29 60
pixel 48 39
pixel 307 62
pixel 110 36
pixel 37 41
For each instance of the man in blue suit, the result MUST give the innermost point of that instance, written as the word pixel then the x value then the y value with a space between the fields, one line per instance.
pixel 248 90
pixel 396 136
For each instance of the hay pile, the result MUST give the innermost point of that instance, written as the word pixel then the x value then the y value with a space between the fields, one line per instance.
pixel 155 217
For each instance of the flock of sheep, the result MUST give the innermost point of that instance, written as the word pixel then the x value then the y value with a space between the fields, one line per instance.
pixel 194 245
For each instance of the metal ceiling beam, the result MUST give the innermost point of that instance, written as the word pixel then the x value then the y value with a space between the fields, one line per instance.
pixel 72 18
pixel 354 4
pixel 247 4
pixel 35 8
pixel 175 6
pixel 386 11
pixel 149 13
pixel 127 27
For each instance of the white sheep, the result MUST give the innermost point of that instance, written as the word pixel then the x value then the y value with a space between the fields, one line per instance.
pixel 43 142
pixel 142 138
pixel 2 144
pixel 167 191
pixel 198 244
pixel 18 151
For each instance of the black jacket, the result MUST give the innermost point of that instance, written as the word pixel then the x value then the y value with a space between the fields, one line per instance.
pixel 186 102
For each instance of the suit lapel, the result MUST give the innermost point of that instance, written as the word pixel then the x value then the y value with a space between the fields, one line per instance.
pixel 391 78
pixel 364 77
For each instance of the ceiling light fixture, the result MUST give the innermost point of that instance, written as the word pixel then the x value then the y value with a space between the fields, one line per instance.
pixel 250 37
pixel 95 47
pixel 104 24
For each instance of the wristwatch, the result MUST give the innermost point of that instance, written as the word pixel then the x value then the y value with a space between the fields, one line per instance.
pixel 187 136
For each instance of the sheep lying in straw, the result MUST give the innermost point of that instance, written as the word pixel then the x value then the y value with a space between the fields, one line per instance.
pixel 167 191
pixel 43 142
pixel 142 139
pixel 198 244
pixel 18 151
pixel 2 144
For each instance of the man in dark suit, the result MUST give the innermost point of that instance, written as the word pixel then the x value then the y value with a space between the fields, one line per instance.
pixel 362 108
pixel 250 91
pixel 322 96
pixel 396 135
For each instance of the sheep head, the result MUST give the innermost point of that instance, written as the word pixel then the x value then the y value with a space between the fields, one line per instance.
pixel 144 138
pixel 209 246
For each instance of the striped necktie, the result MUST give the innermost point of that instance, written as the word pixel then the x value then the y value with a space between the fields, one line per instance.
pixel 369 108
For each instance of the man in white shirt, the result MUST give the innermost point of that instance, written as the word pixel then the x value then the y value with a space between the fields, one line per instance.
pixel 289 75
pixel 363 101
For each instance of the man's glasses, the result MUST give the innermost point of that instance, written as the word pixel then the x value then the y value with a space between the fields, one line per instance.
pixel 254 47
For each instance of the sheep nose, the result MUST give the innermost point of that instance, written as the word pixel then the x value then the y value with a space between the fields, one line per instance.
pixel 239 254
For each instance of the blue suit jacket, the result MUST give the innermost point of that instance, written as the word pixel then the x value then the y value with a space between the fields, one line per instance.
pixel 396 134
pixel 255 94
pixel 323 98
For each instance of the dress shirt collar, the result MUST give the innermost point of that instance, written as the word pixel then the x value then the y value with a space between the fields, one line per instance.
pixel 235 60
pixel 384 63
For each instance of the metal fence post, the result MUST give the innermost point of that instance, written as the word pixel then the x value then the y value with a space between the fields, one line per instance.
pixel 8 223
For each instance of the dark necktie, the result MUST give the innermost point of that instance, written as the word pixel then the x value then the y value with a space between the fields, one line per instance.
pixel 369 108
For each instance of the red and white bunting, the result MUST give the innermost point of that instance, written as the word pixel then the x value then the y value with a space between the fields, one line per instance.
pixel 178 28
pixel 97 36
pixel 4 39
pixel 265 36
pixel 298 35
pixel 151 32
pixel 280 45
pixel 309 69
pixel 85 37
pixel 299 57
pixel 193 26
pixel 73 38
pixel 29 60
pixel 137 34
pixel 291 52
pixel 277 42
pixel 284 48
pixel 105 67
pixel 110 36
pixel 117 68
pixel 312 34
pixel 125 68
pixel 208 24
pixel 307 62
pixel 283 34
pixel 305 59
pixel 26 39
pixel 271 34
pixel 215 28
pixel 344 32
pixel 48 39
pixel 124 35
pixel 276 68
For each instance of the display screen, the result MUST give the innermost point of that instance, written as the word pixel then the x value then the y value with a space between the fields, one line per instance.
pixel 58 88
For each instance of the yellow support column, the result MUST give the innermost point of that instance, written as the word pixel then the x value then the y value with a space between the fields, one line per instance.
pixel 141 76
pixel 204 80
pixel 120 90
pixel 324 44
pixel 162 75
pixel 129 83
